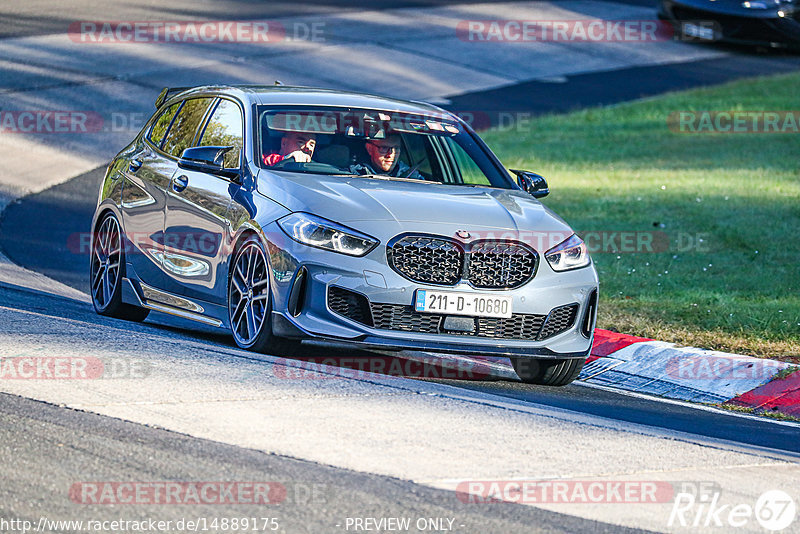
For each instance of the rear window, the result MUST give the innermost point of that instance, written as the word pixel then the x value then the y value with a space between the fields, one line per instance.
pixel 184 128
pixel 162 123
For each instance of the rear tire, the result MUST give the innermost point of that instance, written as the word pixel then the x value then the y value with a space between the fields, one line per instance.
pixel 106 270
pixel 548 372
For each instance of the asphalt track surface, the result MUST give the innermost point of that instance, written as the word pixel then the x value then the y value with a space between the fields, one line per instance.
pixel 40 232
pixel 53 444
pixel 47 448
pixel 42 17
pixel 46 445
pixel 603 88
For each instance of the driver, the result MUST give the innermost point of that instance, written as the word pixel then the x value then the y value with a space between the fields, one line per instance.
pixel 296 145
pixel 383 158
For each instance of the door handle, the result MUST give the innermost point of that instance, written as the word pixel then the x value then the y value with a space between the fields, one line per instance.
pixel 135 165
pixel 179 183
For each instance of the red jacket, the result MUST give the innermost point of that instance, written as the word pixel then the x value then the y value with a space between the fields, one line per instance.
pixel 272 159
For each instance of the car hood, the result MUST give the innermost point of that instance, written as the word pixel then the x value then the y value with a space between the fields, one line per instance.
pixel 411 205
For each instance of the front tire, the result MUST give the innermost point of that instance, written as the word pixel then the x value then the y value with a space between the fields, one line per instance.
pixel 107 267
pixel 250 301
pixel 547 372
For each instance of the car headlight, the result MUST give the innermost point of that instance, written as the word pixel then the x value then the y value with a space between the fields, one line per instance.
pixel 321 233
pixel 569 254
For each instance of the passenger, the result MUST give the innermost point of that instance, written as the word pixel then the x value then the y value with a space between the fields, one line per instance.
pixel 383 155
pixel 296 145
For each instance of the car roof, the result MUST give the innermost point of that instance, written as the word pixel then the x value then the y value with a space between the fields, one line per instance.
pixel 281 95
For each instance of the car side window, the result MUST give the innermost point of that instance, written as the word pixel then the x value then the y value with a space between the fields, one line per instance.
pixel 161 125
pixel 224 128
pixel 184 127
pixel 464 169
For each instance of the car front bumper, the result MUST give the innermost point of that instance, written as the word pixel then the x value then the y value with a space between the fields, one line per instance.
pixel 301 307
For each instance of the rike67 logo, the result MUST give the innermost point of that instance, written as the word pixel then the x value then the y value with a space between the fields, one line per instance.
pixel 699 506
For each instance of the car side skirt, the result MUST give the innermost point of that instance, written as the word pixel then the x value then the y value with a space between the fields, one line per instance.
pixel 167 303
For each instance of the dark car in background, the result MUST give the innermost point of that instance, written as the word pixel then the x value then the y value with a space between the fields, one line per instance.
pixel 457 255
pixel 768 23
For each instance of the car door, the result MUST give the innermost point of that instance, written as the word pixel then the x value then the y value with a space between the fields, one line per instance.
pixel 144 200
pixel 196 228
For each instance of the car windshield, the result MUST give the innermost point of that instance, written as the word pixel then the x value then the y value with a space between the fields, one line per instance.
pixel 388 145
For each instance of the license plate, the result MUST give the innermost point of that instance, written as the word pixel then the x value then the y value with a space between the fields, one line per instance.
pixel 700 32
pixel 455 303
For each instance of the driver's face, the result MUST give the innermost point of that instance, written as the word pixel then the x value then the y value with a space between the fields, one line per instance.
pixel 383 152
pixel 298 141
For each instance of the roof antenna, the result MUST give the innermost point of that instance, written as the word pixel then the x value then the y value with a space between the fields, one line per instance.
pixel 278 82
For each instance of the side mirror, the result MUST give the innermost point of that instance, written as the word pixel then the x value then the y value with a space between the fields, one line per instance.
pixel 207 159
pixel 533 183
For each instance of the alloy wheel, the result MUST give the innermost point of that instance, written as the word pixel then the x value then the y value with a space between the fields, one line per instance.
pixel 106 255
pixel 248 296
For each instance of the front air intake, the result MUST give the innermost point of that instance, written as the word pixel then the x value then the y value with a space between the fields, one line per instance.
pixel 559 320
pixel 297 296
pixel 350 304
pixel 590 315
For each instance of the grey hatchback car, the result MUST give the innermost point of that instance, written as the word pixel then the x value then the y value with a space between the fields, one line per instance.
pixel 264 210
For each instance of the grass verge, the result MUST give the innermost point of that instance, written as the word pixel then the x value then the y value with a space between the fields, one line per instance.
pixel 723 209
pixel 765 413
